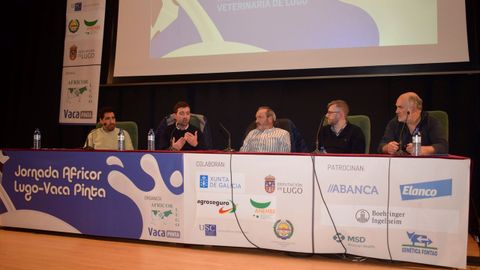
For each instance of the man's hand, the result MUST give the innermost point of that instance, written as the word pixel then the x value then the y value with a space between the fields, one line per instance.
pixel 391 147
pixel 409 148
pixel 424 150
pixel 191 139
pixel 178 145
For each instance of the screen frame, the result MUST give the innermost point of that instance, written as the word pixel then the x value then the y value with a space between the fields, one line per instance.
pixel 109 53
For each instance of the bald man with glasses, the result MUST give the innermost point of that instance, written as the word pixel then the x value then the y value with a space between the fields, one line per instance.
pixel 340 136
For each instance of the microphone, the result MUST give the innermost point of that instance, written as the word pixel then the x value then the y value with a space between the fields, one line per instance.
pixel 229 139
pixel 317 151
pixel 400 140
pixel 88 147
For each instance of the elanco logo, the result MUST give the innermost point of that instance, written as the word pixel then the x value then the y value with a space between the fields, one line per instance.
pixel 426 190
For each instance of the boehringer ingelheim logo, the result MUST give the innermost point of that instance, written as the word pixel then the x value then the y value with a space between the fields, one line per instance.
pixel 426 190
pixel 362 216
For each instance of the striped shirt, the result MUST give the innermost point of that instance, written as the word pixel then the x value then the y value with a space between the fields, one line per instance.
pixel 268 140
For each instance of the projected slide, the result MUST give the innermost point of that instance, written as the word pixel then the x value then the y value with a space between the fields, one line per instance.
pixel 164 37
pixel 205 27
pixel 219 27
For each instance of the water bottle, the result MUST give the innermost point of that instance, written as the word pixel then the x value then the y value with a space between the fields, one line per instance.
pixel 416 143
pixel 37 139
pixel 151 140
pixel 121 140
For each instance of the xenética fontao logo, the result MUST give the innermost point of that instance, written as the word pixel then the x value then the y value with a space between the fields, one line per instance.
pixel 419 244
pixel 426 190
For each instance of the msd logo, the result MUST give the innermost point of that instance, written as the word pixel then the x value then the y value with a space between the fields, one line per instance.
pixel 426 190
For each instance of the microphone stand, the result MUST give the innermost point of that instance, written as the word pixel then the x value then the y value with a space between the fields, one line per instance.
pixel 317 151
pixel 400 151
pixel 229 140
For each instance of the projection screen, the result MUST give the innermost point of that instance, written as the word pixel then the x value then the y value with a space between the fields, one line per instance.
pixel 178 37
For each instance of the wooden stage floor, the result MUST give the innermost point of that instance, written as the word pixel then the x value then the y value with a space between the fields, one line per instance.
pixel 39 250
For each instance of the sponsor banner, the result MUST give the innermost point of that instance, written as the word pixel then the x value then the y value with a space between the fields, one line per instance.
pixel 426 190
pixel 343 183
pixel 349 180
pixel 435 248
pixel 434 191
pixel 211 211
pixel 81 6
pixel 276 192
pixel 84 25
pixel 217 206
pixel 272 202
pixel 361 242
pixel 220 182
pixel 78 103
pixel 371 217
pixel 82 61
pixel 128 195
pixel 82 52
pixel 144 195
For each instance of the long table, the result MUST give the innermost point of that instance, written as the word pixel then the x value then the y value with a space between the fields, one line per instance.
pixel 397 208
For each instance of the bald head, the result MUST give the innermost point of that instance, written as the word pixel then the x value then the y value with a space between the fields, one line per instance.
pixel 409 106
pixel 411 100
